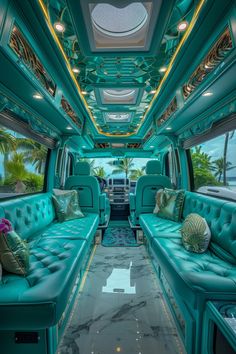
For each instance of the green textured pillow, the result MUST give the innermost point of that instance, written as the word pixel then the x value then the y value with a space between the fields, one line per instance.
pixel 66 205
pixel 195 233
pixel 169 204
pixel 14 253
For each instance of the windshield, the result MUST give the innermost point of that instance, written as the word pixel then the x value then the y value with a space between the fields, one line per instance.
pixel 131 168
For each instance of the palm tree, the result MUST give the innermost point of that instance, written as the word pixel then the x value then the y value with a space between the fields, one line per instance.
pixel 17 172
pixel 135 174
pixel 7 145
pixel 34 153
pixel 99 171
pixel 124 165
pixel 220 166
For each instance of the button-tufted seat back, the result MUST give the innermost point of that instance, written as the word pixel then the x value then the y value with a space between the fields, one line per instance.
pixel 87 187
pixel 30 214
pixel 221 218
pixel 143 201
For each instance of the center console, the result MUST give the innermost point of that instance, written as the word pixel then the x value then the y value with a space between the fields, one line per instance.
pixel 118 193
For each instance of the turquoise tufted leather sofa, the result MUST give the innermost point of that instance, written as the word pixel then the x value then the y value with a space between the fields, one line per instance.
pixel 188 279
pixel 42 300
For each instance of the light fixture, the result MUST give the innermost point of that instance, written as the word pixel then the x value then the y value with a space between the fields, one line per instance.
pixel 147 106
pixel 76 70
pixel 84 92
pixel 206 94
pixel 163 69
pixel 153 91
pixel 37 96
pixel 151 147
pixel 84 147
pixel 168 128
pixel 69 127
pixel 59 27
pixel 118 349
pixel 182 26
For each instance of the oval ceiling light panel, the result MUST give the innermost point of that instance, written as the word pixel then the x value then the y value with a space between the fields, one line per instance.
pixel 119 22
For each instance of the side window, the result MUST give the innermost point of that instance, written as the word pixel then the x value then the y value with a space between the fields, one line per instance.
pixel 69 165
pixel 170 166
pixel 22 164
pixel 214 165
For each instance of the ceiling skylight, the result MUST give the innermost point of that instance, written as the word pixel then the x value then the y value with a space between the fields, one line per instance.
pixel 117 117
pixel 113 25
pixel 119 21
pixel 119 96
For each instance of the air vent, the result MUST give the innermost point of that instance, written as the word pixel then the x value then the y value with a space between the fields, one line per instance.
pixel 171 109
pixel 215 56
pixel 26 54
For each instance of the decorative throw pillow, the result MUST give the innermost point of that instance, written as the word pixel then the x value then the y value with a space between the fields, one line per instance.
pixel 169 204
pixel 66 205
pixel 195 233
pixel 14 252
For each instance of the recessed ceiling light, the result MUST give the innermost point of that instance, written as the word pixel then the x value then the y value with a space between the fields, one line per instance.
pixel 59 27
pixel 182 26
pixel 163 69
pixel 76 70
pixel 168 128
pixel 37 96
pixel 84 147
pixel 84 92
pixel 153 91
pixel 147 106
pixel 69 127
pixel 151 147
pixel 205 94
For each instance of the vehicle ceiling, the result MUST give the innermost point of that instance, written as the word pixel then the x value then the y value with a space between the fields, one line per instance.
pixel 120 79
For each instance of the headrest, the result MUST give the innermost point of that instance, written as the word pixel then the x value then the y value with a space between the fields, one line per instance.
pixel 82 168
pixel 153 167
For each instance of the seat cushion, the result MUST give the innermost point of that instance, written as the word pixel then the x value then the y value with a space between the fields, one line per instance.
pixel 77 229
pixel 153 226
pixel 39 299
pixel 205 273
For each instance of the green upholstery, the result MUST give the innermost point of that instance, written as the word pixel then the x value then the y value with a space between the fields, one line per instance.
pixel 57 255
pixel 195 278
pixel 91 199
pixel 154 226
pixel 143 201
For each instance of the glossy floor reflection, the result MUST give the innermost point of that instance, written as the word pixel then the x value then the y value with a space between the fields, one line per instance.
pixel 121 308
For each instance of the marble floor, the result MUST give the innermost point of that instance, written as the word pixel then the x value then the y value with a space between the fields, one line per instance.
pixel 120 308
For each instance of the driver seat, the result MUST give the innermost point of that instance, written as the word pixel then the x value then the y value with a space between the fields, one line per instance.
pixel 91 200
pixel 144 199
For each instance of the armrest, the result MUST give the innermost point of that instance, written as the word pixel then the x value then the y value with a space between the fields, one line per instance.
pixel 132 201
pixel 102 201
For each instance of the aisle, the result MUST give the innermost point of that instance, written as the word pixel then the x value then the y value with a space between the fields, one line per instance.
pixel 121 308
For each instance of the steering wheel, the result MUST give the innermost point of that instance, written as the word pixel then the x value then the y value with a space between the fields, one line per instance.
pixel 102 182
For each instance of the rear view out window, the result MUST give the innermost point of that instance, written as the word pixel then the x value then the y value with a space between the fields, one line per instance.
pixel 22 164
pixel 214 165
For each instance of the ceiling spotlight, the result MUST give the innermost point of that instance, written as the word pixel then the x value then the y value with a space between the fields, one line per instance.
pixel 206 94
pixel 76 70
pixel 84 147
pixel 153 91
pixel 163 69
pixel 84 92
pixel 37 96
pixel 147 106
pixel 168 128
pixel 151 147
pixel 59 27
pixel 69 127
pixel 182 26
